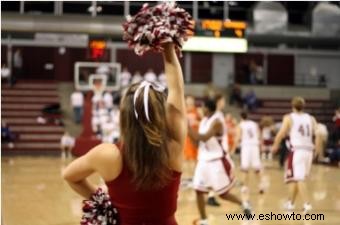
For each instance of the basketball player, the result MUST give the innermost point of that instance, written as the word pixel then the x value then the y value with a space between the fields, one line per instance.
pixel 220 105
pixel 214 170
pixel 143 175
pixel 190 150
pixel 248 134
pixel 301 127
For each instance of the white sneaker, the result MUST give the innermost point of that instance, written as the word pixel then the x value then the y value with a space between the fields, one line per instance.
pixel 262 187
pixel 289 206
pixel 247 210
pixel 202 222
pixel 244 189
pixel 307 207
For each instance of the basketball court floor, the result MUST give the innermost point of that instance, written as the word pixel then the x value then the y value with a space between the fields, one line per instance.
pixel 33 193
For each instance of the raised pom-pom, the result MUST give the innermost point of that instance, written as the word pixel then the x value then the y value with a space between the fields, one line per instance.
pixel 153 26
pixel 98 210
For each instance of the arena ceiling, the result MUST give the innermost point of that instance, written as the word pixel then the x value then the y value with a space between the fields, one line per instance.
pixel 299 13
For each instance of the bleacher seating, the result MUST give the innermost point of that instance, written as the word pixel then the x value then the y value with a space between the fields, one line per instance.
pixel 20 107
pixel 323 110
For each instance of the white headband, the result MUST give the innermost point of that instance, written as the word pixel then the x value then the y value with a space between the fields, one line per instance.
pixel 146 85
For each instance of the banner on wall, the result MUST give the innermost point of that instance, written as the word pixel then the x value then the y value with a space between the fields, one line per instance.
pixel 62 39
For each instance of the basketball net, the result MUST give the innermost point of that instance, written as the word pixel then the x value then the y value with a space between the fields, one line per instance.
pixel 98 86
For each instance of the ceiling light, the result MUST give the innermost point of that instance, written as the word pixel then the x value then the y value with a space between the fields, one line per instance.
pixel 232 3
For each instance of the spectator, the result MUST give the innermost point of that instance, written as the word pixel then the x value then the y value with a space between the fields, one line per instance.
pixel 125 78
pixel 49 120
pixel 115 117
pixel 250 100
pixel 7 136
pixel 52 109
pixel 17 64
pixel 95 123
pixel 236 95
pixel 267 132
pixel 5 73
pixel 322 131
pixel 231 123
pixel 108 101
pixel 100 115
pixel 322 80
pixel 259 75
pixel 150 76
pixel 137 77
pixel 162 79
pixel 107 130
pixel 210 91
pixel 244 72
pixel 67 143
pixel 284 146
pixel 336 119
pixel 256 73
pixel 77 102
pixel 97 98
pixel 220 103
pixel 252 74
pixel 334 156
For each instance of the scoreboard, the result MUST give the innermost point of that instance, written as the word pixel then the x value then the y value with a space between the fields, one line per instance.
pixel 220 28
pixel 224 36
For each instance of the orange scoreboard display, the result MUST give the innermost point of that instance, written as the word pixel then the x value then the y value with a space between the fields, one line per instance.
pixel 220 28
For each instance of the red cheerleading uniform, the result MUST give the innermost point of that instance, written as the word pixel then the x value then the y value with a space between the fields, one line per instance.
pixel 140 207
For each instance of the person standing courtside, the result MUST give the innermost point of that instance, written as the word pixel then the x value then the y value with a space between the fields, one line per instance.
pixel 77 102
pixel 301 127
pixel 17 64
pixel 67 143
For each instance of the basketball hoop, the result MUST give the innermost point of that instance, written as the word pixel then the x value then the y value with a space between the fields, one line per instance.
pixel 83 71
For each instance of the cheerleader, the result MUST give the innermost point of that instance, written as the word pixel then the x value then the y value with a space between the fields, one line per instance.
pixel 143 174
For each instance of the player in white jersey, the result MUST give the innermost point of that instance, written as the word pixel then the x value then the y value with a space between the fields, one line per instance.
pixel 214 169
pixel 220 105
pixel 249 136
pixel 301 127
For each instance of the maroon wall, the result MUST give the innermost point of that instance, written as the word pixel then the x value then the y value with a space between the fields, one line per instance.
pixel 201 67
pixel 134 63
pixel 281 69
pixel 64 64
pixel 3 54
pixel 241 66
pixel 35 59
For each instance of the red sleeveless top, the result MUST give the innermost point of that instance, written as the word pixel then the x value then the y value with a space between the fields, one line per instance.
pixel 136 207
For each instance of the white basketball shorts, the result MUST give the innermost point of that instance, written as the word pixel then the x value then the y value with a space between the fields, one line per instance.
pixel 298 165
pixel 250 158
pixel 216 175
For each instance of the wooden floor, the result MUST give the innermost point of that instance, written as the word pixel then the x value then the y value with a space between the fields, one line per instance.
pixel 34 194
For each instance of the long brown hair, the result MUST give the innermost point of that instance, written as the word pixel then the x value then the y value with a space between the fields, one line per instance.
pixel 145 149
